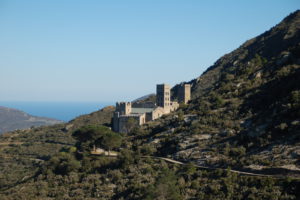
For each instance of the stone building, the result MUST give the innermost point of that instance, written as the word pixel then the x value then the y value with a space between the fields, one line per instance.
pixel 163 95
pixel 126 116
pixel 184 93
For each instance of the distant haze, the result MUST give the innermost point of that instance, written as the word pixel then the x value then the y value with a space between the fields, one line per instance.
pixel 118 50
pixel 12 119
pixel 64 111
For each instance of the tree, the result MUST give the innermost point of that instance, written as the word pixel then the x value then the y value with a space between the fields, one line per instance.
pixel 219 102
pixel 90 133
pixel 130 125
pixel 63 163
pixel 126 158
pixel 102 136
pixel 110 140
pixel 259 60
pixel 166 187
pixel 180 116
pixel 295 98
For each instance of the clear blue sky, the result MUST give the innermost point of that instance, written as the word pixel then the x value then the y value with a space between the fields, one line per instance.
pixel 112 50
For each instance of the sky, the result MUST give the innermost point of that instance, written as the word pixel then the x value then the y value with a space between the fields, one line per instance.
pixel 115 50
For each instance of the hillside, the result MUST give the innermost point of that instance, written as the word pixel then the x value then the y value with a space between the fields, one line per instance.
pixel 12 119
pixel 102 116
pixel 258 81
pixel 249 99
pixel 23 152
pixel 238 138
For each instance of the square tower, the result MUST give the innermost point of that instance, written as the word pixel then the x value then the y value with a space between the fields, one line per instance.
pixel 184 93
pixel 124 108
pixel 163 95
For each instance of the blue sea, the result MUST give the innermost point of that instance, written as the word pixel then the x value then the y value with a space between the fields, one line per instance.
pixel 64 111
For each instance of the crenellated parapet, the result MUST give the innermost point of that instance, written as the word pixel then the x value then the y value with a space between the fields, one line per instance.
pixel 124 108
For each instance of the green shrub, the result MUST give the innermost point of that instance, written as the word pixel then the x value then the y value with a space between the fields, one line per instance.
pixel 63 163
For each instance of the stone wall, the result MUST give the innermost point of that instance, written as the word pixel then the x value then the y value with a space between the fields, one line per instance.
pixel 124 125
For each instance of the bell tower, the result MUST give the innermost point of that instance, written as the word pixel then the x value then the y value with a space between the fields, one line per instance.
pixel 163 95
pixel 184 93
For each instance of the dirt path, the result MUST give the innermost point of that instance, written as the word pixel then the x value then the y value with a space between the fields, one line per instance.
pixel 9 143
pixel 214 168
pixel 278 176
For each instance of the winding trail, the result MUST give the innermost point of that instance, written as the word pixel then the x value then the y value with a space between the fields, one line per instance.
pixel 279 176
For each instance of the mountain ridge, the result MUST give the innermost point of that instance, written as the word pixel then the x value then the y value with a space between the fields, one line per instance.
pixel 252 87
pixel 246 50
pixel 12 119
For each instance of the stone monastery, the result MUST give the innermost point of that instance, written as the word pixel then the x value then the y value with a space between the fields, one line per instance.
pixel 141 113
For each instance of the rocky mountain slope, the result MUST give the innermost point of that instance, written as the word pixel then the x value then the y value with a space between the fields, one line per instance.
pixel 244 107
pixel 244 115
pixel 12 119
